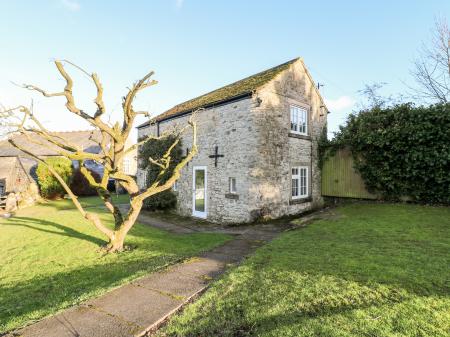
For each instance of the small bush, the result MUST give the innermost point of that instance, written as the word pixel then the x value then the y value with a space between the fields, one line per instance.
pixel 161 201
pixel 80 185
pixel 49 186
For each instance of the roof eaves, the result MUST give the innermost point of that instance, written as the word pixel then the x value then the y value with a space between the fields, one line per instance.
pixel 189 111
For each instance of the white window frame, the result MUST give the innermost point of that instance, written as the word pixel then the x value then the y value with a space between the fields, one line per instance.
pixel 296 112
pixel 2 187
pixel 126 165
pixel 299 177
pixel 231 188
pixel 196 213
pixel 144 177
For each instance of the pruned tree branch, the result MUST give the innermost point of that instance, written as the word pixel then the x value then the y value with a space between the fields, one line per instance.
pixel 112 150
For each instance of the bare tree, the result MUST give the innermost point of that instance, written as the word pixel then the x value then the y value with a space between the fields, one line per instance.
pixel 374 99
pixel 432 68
pixel 112 145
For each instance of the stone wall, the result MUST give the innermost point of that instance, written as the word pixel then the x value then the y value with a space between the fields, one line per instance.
pixel 230 128
pixel 279 150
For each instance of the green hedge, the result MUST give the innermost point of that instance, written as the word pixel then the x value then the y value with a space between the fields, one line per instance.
pixel 402 151
pixel 156 149
pixel 50 187
pixel 80 186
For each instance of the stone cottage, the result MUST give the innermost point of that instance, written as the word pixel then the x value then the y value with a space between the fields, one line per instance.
pixel 257 141
pixel 14 175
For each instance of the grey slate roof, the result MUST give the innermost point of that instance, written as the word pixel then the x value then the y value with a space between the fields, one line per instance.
pixel 81 138
pixel 226 93
pixel 6 166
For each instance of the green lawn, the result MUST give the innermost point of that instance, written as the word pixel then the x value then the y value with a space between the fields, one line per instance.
pixel 377 270
pixel 50 259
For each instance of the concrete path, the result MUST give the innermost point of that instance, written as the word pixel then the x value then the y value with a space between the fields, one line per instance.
pixel 143 305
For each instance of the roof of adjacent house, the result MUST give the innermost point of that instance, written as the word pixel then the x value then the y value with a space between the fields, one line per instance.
pixel 6 166
pixel 227 93
pixel 83 139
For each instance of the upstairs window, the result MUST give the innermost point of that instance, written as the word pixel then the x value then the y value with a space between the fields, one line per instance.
pixel 299 182
pixel 299 120
pixel 175 186
pixel 2 187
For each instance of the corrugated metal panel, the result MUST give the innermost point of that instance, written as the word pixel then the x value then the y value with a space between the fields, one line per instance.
pixel 340 179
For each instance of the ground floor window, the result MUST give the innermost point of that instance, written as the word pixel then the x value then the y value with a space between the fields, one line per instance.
pixel 127 165
pixel 299 182
pixel 232 185
pixel 2 187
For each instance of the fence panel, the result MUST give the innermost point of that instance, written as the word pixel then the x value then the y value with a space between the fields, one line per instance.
pixel 340 179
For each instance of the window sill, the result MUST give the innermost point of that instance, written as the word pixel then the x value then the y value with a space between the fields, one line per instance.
pixel 232 196
pixel 300 201
pixel 299 136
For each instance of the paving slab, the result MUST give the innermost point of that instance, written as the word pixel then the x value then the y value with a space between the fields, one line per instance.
pixel 205 268
pixel 134 304
pixel 173 283
pixel 79 322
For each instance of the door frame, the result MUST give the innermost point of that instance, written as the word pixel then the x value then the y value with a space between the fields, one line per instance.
pixel 195 212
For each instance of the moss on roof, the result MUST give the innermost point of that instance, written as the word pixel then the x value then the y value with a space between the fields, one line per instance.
pixel 236 89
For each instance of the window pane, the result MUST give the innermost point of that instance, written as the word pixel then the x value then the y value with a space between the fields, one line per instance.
pixel 232 185
pixel 303 120
pixel 200 190
pixel 303 181
pixel 294 118
pixel 294 187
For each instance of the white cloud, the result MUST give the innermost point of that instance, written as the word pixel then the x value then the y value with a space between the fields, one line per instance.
pixel 71 5
pixel 179 3
pixel 341 103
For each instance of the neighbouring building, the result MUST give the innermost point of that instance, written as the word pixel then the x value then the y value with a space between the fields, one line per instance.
pixel 257 141
pixel 130 159
pixel 15 175
pixel 16 165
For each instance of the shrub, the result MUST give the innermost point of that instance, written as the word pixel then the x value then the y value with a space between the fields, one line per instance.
pixel 156 149
pixel 50 187
pixel 402 151
pixel 80 185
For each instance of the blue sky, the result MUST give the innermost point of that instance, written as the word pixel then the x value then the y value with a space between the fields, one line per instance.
pixel 196 46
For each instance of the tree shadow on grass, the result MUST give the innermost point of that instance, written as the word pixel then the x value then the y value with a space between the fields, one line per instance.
pixel 44 225
pixel 25 301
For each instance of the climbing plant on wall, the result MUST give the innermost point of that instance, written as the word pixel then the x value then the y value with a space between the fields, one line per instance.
pixel 157 149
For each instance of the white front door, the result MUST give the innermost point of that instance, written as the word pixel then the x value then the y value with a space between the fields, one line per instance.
pixel 199 197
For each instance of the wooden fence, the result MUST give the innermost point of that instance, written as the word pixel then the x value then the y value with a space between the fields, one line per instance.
pixel 340 179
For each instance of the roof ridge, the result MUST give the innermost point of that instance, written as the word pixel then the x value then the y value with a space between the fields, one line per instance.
pixel 72 131
pixel 242 79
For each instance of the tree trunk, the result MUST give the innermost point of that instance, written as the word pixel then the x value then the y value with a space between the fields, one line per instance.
pixel 116 242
